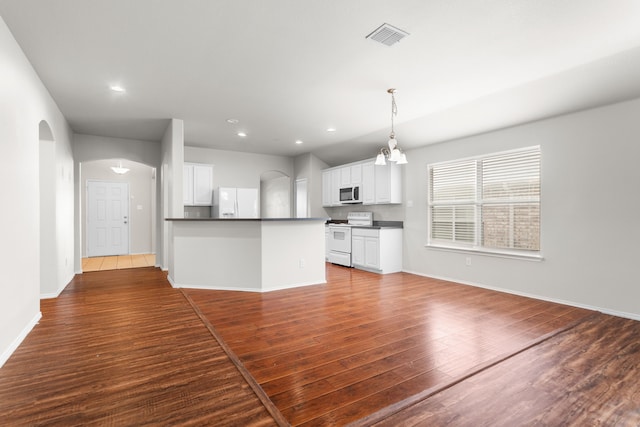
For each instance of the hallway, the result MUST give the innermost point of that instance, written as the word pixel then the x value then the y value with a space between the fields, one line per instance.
pixel 118 262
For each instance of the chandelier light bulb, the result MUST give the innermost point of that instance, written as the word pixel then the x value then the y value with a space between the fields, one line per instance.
pixel 393 153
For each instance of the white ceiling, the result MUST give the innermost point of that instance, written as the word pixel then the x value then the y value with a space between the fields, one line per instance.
pixel 289 69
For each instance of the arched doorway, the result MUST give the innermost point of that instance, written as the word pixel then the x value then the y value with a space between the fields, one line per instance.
pixel 275 195
pixel 138 213
pixel 48 222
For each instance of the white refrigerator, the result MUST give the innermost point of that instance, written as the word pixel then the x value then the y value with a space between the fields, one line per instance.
pixel 231 202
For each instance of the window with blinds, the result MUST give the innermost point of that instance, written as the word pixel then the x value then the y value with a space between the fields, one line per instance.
pixel 489 203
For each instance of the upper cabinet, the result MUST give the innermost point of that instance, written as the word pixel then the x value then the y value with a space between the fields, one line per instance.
pixel 388 188
pixel 326 188
pixel 197 184
pixel 356 175
pixel 368 183
pixel 345 177
pixel 336 176
pixel 378 184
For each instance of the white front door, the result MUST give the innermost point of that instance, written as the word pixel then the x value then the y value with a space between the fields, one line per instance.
pixel 107 218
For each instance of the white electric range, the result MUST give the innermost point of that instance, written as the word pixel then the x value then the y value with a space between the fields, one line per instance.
pixel 340 237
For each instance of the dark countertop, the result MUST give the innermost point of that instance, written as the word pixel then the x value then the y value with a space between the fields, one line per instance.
pixel 376 224
pixel 246 219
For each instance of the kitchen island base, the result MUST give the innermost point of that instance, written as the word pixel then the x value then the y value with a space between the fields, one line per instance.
pixel 256 255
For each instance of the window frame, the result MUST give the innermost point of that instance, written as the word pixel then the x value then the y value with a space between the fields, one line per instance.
pixel 477 245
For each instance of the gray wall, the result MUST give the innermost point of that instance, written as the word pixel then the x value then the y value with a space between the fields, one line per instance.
pixel 236 169
pixel 141 180
pixel 589 207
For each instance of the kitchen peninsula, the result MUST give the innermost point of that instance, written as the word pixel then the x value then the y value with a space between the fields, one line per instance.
pixel 246 254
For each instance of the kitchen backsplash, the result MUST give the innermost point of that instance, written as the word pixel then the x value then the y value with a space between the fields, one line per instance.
pixel 197 211
pixel 380 212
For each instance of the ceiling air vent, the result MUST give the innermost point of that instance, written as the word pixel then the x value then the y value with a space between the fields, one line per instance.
pixel 387 34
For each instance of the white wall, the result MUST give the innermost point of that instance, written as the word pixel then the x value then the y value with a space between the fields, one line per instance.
pixel 171 174
pixel 309 167
pixel 590 201
pixel 24 103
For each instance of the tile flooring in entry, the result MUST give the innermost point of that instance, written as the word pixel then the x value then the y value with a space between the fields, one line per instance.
pixel 118 262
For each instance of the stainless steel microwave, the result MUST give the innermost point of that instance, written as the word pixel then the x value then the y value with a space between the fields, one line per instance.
pixel 350 195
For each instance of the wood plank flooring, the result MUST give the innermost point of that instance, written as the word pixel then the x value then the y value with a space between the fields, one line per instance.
pixel 118 262
pixel 588 376
pixel 123 348
pixel 332 354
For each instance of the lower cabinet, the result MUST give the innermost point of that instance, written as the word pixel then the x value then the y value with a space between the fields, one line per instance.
pixel 377 250
pixel 326 242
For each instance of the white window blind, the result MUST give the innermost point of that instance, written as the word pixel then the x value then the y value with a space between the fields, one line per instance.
pixel 487 203
pixel 453 197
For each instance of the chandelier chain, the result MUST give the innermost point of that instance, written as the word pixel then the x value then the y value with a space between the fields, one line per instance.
pixel 394 110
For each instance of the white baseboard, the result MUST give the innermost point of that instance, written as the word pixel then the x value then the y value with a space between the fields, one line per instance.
pixel 295 285
pixel 243 289
pixel 632 316
pixel 6 354
pixel 57 293
pixel 171 282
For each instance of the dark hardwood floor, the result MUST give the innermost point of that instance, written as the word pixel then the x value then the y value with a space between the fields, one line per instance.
pixel 587 376
pixel 333 354
pixel 124 348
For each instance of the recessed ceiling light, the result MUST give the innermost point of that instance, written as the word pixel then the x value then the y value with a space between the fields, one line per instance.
pixel 117 88
pixel 331 129
pixel 242 134
pixel 232 121
pixel 298 141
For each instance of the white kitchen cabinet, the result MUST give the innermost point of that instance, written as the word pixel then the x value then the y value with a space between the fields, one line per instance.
pixel 377 250
pixel 336 175
pixel 357 250
pixel 378 184
pixel 368 186
pixel 388 184
pixel 326 242
pixel 345 177
pixel 187 185
pixel 326 188
pixel 356 175
pixel 197 184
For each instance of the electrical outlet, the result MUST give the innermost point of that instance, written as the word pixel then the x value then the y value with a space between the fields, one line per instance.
pixel 468 261
pixel 301 263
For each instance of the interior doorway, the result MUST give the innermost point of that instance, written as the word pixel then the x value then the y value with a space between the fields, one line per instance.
pixel 47 198
pixel 141 216
pixel 275 195
pixel 302 198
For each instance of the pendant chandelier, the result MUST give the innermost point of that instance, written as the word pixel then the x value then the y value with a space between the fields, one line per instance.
pixel 393 153
pixel 119 169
